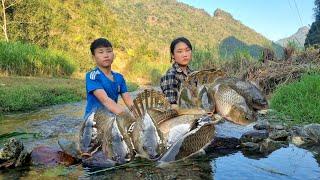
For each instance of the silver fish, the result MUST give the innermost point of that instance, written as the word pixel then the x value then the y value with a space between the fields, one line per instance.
pixel 146 137
pixel 86 135
pixel 113 144
pixel 200 134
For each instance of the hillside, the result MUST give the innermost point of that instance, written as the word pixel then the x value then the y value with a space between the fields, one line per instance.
pixel 141 30
pixel 299 37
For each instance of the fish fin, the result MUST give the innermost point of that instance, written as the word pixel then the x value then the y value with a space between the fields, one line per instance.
pixel 149 99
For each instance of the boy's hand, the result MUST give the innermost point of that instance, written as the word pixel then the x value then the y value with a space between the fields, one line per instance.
pixel 125 115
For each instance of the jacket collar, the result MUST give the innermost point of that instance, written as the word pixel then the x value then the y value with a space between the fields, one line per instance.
pixel 178 68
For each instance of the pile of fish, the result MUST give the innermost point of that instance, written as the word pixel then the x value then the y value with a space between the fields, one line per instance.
pixel 234 99
pixel 156 131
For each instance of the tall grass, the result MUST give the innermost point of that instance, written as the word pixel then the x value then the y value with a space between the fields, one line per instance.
pixel 299 101
pixel 30 60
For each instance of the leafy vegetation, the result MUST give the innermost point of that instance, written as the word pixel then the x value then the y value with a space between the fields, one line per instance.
pixel 313 36
pixel 299 102
pixel 140 31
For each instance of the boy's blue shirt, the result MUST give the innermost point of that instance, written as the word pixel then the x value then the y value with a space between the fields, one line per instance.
pixel 96 79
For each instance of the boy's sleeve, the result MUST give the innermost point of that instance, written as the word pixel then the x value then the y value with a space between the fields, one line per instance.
pixel 92 82
pixel 123 86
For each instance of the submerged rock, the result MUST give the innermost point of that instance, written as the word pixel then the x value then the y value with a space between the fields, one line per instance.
pixel 50 156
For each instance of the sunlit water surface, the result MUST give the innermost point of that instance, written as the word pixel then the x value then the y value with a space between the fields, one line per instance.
pixel 59 121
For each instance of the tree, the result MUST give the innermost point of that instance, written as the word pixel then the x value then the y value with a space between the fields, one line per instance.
pixel 313 36
pixel 5 5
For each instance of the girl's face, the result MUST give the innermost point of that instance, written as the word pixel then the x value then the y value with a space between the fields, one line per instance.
pixel 182 54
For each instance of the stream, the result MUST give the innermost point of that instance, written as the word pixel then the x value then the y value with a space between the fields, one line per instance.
pixel 49 124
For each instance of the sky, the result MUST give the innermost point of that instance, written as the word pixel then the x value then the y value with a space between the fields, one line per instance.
pixel 274 19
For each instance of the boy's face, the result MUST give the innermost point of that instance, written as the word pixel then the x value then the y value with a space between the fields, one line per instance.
pixel 103 56
pixel 182 54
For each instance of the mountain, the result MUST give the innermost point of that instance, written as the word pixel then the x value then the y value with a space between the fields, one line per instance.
pixel 140 30
pixel 299 37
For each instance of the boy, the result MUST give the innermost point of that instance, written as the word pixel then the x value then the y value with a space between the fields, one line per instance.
pixel 103 86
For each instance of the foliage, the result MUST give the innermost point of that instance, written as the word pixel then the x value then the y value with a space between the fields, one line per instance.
pixel 313 36
pixel 203 58
pixel 317 9
pixel 140 31
pixel 294 45
pixel 30 60
pixel 300 101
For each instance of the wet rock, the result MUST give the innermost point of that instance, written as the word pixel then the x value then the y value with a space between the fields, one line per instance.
pixel 250 146
pixel 50 156
pixel 70 147
pixel 297 140
pixel 11 150
pixel 13 154
pixel 313 131
pixel 262 125
pixel 307 135
pixel 23 159
pixel 269 145
pixel 223 144
pixel 277 127
pixel 254 136
pixel 281 135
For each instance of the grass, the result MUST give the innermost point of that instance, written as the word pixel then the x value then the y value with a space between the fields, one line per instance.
pixel 30 60
pixel 29 93
pixel 299 102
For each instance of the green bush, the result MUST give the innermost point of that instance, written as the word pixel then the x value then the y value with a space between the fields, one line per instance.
pixel 30 60
pixel 300 101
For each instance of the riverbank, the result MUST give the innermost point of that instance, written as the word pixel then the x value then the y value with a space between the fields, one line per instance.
pixel 30 93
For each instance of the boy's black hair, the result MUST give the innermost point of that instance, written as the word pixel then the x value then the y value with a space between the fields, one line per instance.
pixel 176 41
pixel 100 42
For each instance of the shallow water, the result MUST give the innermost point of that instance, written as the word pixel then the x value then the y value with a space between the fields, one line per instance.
pixel 64 121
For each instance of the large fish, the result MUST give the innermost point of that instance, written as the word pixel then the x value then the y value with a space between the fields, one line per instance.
pixel 198 136
pixel 195 97
pixel 114 145
pixel 88 134
pixel 253 96
pixel 146 138
pixel 193 92
pixel 175 127
pixel 231 105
